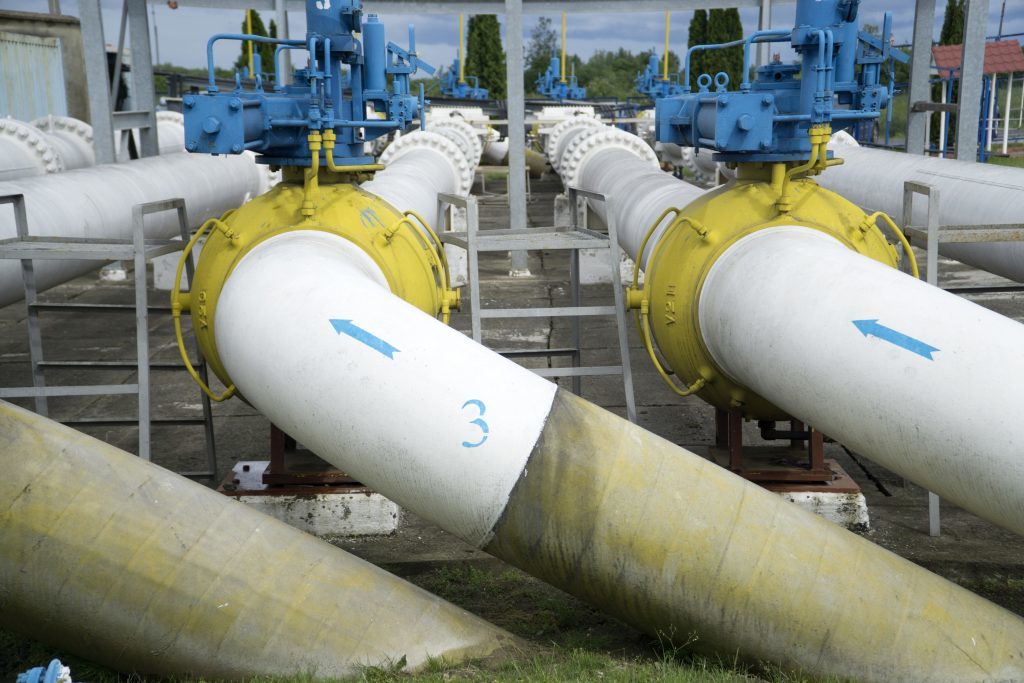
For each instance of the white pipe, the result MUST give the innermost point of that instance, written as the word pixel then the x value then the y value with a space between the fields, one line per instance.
pixel 97 202
pixel 418 166
pixel 942 123
pixel 497 456
pixel 971 194
pixel 1006 112
pixel 991 112
pixel 638 192
pixel 979 483
pixel 918 380
pixel 389 389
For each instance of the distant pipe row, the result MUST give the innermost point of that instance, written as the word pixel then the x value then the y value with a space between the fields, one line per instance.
pixel 970 194
pixel 96 202
pixel 780 316
pixel 367 377
pixel 53 144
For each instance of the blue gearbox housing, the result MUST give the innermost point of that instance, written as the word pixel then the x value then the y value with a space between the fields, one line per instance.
pixel 651 83
pixel 835 83
pixel 344 87
pixel 550 84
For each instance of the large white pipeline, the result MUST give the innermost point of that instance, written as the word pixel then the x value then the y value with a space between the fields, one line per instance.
pixel 919 380
pixel 97 202
pixel 853 362
pixel 971 194
pixel 488 450
pixel 431 163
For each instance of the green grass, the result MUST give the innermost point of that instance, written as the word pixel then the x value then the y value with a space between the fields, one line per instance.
pixel 1007 161
pixel 565 640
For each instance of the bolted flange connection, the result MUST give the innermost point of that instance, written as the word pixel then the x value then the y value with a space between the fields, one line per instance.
pixel 439 144
pixel 585 145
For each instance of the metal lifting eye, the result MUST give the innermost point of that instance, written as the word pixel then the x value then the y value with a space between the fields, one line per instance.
pixel 704 82
pixel 721 80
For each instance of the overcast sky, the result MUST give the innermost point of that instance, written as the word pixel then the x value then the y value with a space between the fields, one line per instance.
pixel 183 32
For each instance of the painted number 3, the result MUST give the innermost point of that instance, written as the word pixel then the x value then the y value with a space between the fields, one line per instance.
pixel 478 421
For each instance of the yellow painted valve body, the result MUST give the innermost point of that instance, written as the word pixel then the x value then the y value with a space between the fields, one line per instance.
pixel 412 265
pixel 682 258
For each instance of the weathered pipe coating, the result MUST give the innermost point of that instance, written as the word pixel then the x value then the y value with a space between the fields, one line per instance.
pixel 675 545
pixel 124 563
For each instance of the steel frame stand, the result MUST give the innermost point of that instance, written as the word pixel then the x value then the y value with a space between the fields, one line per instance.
pixel 929 238
pixel 293 466
pixel 729 439
pixel 27 249
pixel 572 239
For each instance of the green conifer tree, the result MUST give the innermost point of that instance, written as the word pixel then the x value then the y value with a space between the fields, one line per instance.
pixel 724 25
pixel 698 35
pixel 952 34
pixel 485 57
pixel 953 23
pixel 265 50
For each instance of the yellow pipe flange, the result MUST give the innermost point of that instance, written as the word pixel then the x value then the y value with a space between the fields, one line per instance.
pixel 682 258
pixel 411 260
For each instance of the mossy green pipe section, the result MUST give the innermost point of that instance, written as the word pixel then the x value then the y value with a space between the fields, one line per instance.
pixel 679 547
pixel 129 565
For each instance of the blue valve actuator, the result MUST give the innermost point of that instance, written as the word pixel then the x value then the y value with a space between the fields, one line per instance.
pixel 835 82
pixel 550 84
pixel 355 83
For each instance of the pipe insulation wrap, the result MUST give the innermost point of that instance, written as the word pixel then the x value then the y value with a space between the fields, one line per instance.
pixel 375 386
pixel 125 563
pixel 971 194
pixel 97 202
pixel 917 379
pixel 684 549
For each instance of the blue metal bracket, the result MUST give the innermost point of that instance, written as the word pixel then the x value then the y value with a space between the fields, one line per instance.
pixel 343 82
pixel 835 83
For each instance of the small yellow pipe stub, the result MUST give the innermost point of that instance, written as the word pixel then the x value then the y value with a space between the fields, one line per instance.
pixel 248 29
pixel 668 19
pixel 462 55
pixel 563 47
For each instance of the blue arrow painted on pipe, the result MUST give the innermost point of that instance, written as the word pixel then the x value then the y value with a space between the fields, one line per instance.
pixel 361 335
pixel 872 328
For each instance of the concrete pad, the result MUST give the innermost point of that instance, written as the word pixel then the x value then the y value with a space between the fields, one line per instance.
pixel 325 511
